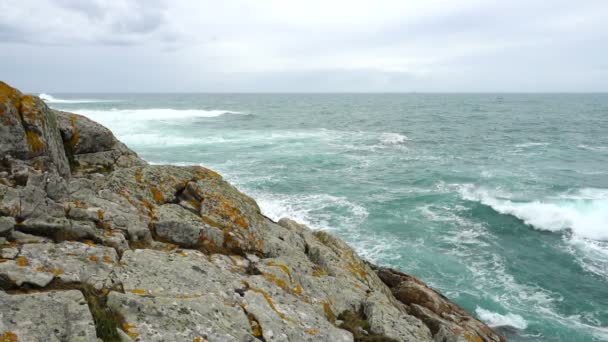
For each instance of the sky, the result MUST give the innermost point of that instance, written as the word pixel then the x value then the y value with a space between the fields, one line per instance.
pixel 304 46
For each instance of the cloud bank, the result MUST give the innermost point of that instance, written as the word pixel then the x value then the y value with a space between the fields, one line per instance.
pixel 312 46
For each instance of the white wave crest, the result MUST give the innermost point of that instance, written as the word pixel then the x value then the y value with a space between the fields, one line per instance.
pixel 585 212
pixel 393 139
pixel 50 99
pixel 152 114
pixel 494 319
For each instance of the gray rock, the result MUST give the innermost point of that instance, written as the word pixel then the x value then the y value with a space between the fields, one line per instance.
pixel 29 131
pixel 7 224
pixel 180 226
pixel 50 316
pixel 208 317
pixel 71 262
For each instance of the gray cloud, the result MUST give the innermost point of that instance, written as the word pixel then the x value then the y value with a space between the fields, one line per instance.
pixel 273 45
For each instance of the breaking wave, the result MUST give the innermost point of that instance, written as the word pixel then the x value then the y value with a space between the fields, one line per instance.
pixel 495 319
pixel 152 114
pixel 51 99
pixel 393 139
pixel 583 213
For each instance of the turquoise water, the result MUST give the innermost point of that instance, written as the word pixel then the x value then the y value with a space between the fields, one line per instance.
pixel 498 201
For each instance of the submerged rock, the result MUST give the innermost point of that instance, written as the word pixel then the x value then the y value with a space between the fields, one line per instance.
pixel 131 251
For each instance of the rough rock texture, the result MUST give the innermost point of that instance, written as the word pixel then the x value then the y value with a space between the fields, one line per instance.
pixel 96 243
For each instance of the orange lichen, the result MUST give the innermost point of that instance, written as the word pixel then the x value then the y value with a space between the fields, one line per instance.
pixel 75 132
pixel 94 258
pixel 127 328
pixel 311 331
pixel 329 313
pixel 89 243
pixel 100 214
pixel 8 336
pixel 256 328
pixel 318 271
pixel 202 173
pixel 284 268
pixel 36 145
pixel 138 176
pixel 270 303
pixel 79 204
pixel 197 339
pixel 157 195
pixel 107 259
pixel 357 270
pixel 57 271
pixel 472 338
pixel 278 281
pixel 21 261
pixel 138 292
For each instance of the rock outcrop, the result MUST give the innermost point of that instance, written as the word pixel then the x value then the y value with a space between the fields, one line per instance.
pixel 95 244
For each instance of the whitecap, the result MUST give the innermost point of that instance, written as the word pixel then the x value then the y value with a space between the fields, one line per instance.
pixel 531 144
pixel 51 99
pixel 494 319
pixel 151 114
pixel 393 139
pixel 584 213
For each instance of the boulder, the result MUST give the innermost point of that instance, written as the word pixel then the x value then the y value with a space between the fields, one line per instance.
pixel 48 316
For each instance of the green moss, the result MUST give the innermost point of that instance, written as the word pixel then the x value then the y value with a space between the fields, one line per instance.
pixel 107 321
pixel 357 324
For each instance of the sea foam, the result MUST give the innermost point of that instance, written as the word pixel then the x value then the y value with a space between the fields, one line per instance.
pixel 584 213
pixel 495 319
pixel 393 138
pixel 51 99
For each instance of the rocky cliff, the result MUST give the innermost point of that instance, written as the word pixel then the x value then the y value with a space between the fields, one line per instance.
pixel 95 244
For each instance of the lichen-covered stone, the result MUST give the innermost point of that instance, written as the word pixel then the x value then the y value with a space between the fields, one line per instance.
pixel 204 318
pixel 70 262
pixel 180 226
pixel 29 131
pixel 49 316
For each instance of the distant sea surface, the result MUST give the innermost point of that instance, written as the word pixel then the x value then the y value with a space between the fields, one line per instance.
pixel 500 201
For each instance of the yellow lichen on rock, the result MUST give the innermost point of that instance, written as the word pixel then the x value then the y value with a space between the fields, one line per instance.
pixel 128 327
pixel 8 336
pixel 22 262
pixel 75 132
pixel 33 140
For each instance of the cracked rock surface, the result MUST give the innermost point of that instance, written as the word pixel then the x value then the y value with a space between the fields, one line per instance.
pixel 95 244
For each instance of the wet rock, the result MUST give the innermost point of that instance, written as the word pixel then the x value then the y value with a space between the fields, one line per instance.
pixel 49 316
pixel 447 321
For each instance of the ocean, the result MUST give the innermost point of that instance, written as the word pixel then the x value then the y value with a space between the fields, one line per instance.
pixel 499 201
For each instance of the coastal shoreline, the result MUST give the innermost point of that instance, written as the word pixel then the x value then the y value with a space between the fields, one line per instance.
pixel 160 252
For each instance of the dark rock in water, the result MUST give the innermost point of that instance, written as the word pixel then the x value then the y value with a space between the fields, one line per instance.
pixel 447 321
pixel 96 243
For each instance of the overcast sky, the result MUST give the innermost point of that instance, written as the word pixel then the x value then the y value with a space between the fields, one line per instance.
pixel 304 46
